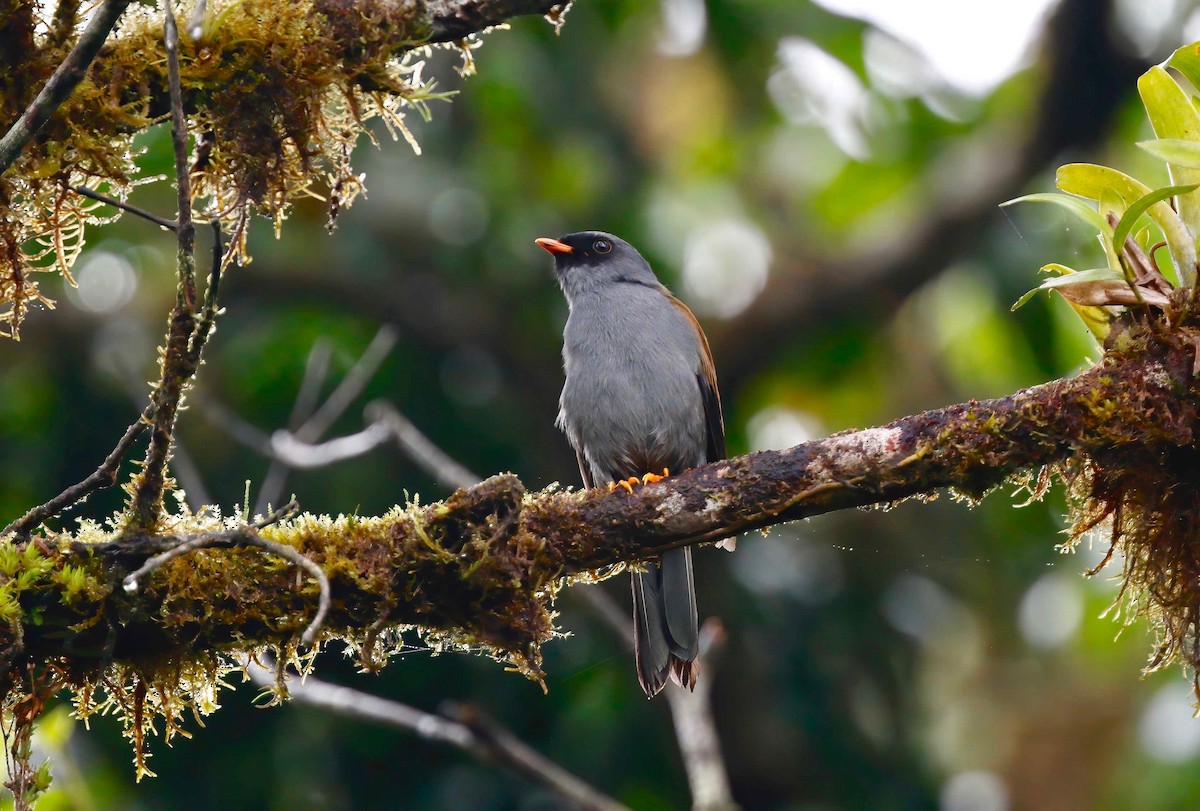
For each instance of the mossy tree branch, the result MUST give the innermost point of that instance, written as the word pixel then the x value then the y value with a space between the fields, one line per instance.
pixel 69 74
pixel 480 568
pixel 275 97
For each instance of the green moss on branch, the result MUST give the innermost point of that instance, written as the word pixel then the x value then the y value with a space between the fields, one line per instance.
pixel 481 569
pixel 276 96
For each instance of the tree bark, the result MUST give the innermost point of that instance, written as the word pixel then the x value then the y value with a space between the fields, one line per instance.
pixel 480 569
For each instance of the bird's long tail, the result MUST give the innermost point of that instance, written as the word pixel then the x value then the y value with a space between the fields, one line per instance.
pixel 666 629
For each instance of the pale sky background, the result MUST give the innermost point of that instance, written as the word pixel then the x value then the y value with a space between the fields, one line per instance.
pixel 972 46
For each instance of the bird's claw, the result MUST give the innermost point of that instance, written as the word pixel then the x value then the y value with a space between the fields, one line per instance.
pixel 634 481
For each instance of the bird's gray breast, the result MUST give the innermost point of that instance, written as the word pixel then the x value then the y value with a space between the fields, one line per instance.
pixel 631 403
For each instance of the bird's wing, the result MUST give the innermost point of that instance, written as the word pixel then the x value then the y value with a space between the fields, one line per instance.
pixel 710 394
pixel 714 423
pixel 585 469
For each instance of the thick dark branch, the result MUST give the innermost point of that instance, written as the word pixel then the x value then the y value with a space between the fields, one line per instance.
pixel 1147 401
pixel 450 21
pixel 480 567
pixel 69 74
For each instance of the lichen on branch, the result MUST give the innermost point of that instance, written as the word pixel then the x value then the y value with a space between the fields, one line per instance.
pixel 277 96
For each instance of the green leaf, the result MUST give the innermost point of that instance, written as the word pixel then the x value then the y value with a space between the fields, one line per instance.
pixel 1023 300
pixel 1093 181
pixel 1067 276
pixel 1173 116
pixel 1186 60
pixel 1113 206
pixel 1135 211
pixel 1080 209
pixel 1081 276
pixel 1174 151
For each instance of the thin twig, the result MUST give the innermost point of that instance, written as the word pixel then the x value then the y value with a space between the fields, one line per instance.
pixel 290 451
pixel 191 481
pixel 319 421
pixel 384 424
pixel 696 730
pixel 316 369
pixel 247 536
pixel 223 538
pixel 101 477
pixel 515 755
pixel 470 731
pixel 179 361
pixel 209 311
pixel 162 222
pixel 352 385
pixel 324 600
pixel 179 139
pixel 195 23
pixel 69 74
pixel 428 456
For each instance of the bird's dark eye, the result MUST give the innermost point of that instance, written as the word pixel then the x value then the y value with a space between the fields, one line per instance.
pixel 602 246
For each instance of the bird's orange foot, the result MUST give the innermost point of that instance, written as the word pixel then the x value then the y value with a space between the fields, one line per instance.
pixel 628 484
pixel 650 478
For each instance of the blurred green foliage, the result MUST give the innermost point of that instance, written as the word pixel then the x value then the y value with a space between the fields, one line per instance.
pixel 927 656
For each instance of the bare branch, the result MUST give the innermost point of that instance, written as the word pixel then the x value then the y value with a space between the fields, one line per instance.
pixel 428 456
pixel 185 338
pixel 351 387
pixel 162 222
pixel 696 730
pixel 514 755
pixel 69 74
pixel 102 477
pixel 195 23
pixel 385 424
pixel 314 422
pixel 470 732
pixel 316 370
pixel 290 451
pixel 691 710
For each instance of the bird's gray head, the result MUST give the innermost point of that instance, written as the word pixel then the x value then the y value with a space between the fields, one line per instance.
pixel 592 260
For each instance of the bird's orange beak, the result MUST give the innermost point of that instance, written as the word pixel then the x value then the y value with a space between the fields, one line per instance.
pixel 553 245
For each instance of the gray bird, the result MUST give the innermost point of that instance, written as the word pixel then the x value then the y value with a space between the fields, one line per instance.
pixel 640 396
